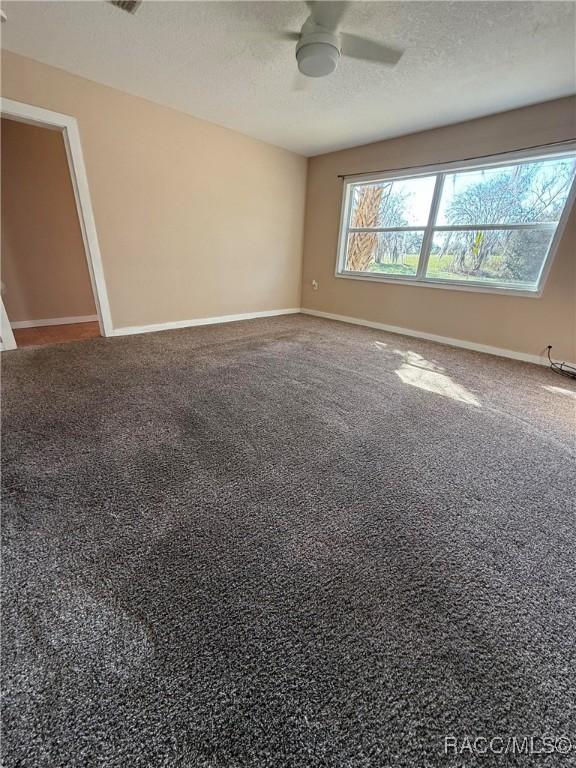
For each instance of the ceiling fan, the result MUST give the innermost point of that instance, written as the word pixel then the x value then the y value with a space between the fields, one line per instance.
pixel 320 44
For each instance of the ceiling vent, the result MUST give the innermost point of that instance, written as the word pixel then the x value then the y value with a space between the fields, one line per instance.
pixel 130 6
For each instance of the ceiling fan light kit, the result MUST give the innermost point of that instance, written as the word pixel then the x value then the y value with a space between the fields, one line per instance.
pixel 318 54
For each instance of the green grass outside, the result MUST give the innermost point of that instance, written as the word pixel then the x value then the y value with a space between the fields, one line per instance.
pixel 436 269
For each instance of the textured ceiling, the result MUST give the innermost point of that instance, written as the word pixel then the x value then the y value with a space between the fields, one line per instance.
pixel 220 61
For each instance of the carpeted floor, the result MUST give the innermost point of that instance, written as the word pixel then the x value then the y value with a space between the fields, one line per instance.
pixel 284 543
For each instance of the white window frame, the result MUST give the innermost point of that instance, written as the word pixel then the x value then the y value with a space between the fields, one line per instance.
pixel 440 170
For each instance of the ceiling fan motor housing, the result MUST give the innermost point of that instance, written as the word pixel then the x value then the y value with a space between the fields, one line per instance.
pixel 317 53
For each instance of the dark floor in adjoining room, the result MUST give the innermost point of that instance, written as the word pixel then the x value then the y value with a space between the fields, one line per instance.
pixel 285 542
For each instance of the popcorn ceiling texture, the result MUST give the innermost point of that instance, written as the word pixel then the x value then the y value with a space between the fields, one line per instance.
pixel 224 62
pixel 282 543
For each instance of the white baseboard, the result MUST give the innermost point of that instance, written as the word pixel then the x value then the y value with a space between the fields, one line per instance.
pixel 510 353
pixel 130 330
pixel 54 321
pixel 175 324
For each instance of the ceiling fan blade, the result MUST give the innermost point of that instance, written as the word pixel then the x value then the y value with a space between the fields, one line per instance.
pixel 290 36
pixel 362 48
pixel 327 13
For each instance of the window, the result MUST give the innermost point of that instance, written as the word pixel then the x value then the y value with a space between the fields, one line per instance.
pixel 487 225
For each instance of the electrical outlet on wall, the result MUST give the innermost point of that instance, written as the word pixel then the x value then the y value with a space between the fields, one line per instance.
pixel 314 285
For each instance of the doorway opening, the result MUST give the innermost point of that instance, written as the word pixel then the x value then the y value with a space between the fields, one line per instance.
pixel 53 287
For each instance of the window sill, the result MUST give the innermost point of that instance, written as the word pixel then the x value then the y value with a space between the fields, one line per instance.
pixel 455 286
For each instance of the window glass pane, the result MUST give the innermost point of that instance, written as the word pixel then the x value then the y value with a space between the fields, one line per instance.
pixel 526 193
pixel 391 253
pixel 392 203
pixel 493 256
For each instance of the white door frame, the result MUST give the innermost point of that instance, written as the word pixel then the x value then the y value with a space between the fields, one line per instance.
pixel 68 127
pixel 7 340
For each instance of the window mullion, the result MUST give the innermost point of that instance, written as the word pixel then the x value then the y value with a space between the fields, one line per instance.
pixel 375 230
pixel 429 231
pixel 496 227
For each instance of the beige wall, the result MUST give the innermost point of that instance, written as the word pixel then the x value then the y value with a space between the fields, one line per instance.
pixel 193 220
pixel 516 323
pixel 44 268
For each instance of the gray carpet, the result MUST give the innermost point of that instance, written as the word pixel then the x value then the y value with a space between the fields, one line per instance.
pixel 284 543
